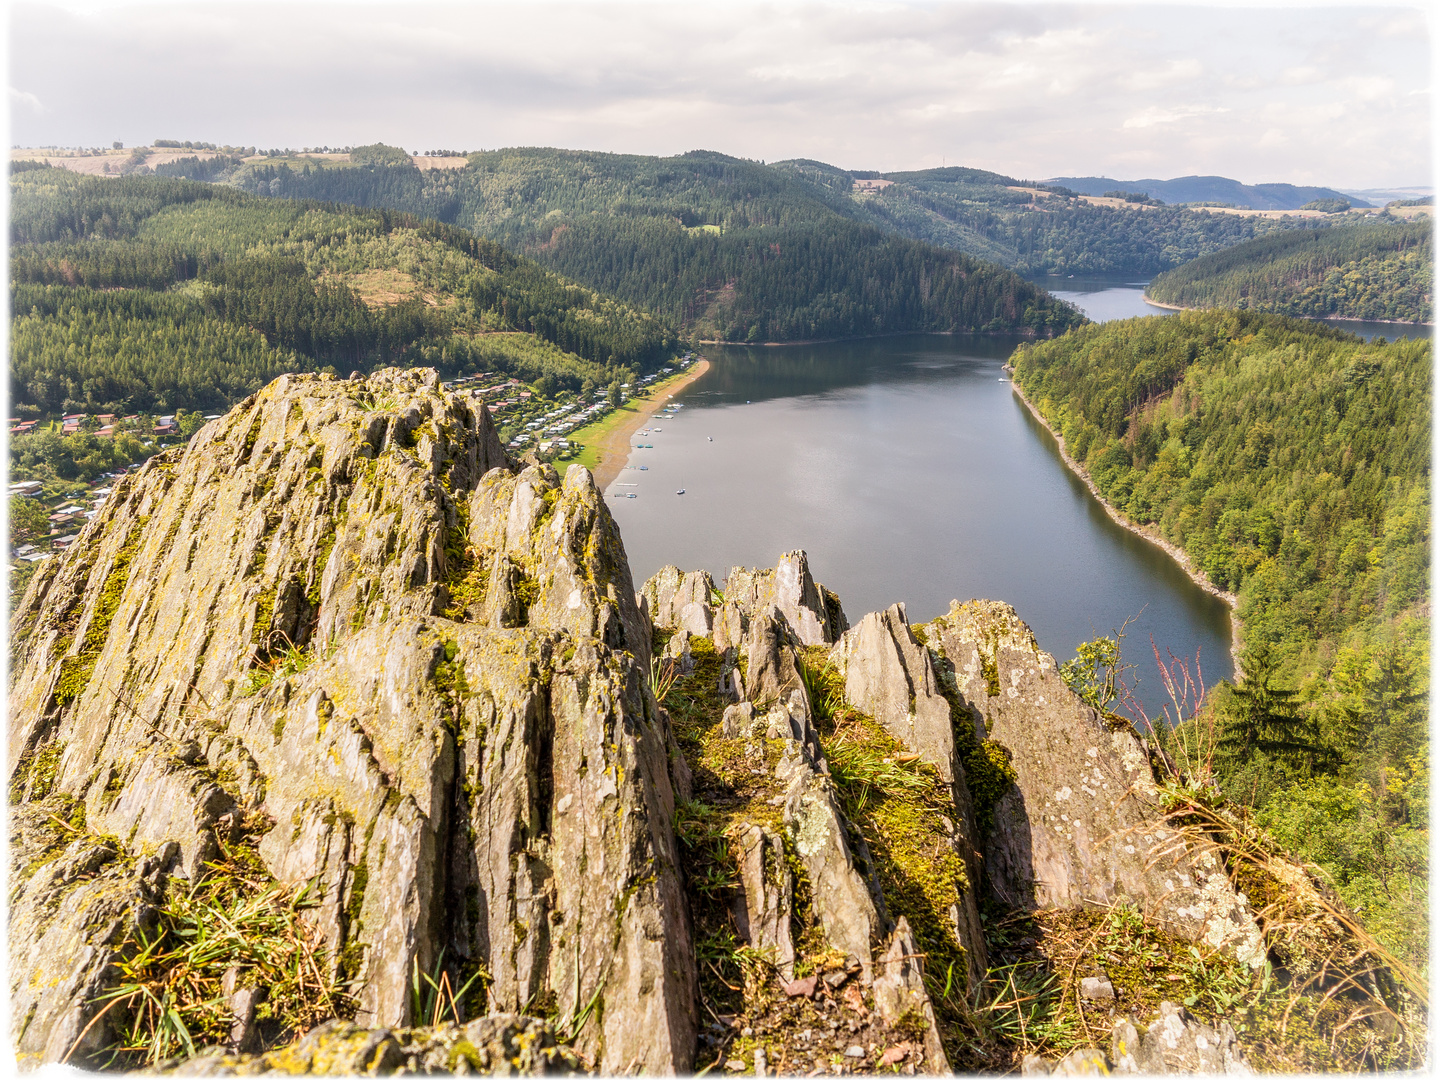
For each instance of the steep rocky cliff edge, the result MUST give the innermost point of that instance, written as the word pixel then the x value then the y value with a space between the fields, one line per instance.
pixel 342 743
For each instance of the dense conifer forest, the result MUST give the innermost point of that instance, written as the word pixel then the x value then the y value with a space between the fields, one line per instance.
pixel 151 295
pixel 729 248
pixel 1364 271
pixel 1037 229
pixel 1291 462
pixel 670 233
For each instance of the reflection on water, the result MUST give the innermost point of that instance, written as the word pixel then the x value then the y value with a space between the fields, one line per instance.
pixel 909 471
pixel 1104 298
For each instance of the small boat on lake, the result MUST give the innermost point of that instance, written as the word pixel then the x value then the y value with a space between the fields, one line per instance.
pixel 680 492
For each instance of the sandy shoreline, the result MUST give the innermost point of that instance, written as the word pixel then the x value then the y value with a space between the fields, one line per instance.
pixel 615 448
pixel 1178 554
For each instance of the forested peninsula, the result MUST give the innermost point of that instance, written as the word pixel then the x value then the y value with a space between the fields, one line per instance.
pixel 1380 272
pixel 1291 462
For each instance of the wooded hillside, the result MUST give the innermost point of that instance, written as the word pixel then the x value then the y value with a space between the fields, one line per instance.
pixel 1379 271
pixel 1291 462
pixel 731 249
pixel 155 294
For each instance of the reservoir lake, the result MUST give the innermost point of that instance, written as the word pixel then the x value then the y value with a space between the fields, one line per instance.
pixel 908 471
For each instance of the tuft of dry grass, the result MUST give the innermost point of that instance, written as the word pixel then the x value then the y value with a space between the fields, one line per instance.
pixel 171 989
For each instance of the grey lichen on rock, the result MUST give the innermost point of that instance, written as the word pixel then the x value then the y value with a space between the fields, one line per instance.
pixel 1081 824
pixel 74 900
pixel 766 902
pixel 1176 1042
pixel 494 784
pixel 844 890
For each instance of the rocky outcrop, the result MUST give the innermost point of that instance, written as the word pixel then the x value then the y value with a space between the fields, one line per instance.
pixel 767 896
pixel 900 991
pixel 1176 1042
pixel 772 672
pixel 342 629
pixel 1080 825
pixel 340 608
pixel 675 600
pixel 75 898
pixel 845 898
pixel 502 1044
pixel 890 676
pixel 844 893
pixel 812 612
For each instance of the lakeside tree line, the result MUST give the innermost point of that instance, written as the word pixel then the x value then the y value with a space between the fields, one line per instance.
pixel 1291 462
pixel 1383 272
pixel 154 294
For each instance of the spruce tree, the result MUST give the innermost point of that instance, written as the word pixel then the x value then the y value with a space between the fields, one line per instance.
pixel 1265 717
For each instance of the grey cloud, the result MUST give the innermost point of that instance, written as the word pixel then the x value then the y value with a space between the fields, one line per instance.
pixel 1030 89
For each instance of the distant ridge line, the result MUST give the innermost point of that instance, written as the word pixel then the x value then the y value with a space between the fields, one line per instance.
pixel 1221 189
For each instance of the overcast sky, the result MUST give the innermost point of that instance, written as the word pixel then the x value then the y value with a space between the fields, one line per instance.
pixel 1326 95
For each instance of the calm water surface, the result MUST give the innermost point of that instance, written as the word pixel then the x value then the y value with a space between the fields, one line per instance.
pixel 908 471
pixel 1106 298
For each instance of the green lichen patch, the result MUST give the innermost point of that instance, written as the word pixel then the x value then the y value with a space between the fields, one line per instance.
pixel 900 806
pixel 75 671
pixel 35 774
pixel 317 574
pixel 450 682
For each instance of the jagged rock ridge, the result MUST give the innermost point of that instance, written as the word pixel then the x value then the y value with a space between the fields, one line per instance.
pixel 341 608
pixel 342 612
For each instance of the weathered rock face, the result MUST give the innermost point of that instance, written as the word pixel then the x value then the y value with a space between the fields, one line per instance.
pixel 890 676
pixel 812 611
pixel 674 599
pixel 900 989
pixel 767 896
pixel 772 673
pixel 809 612
pixel 73 902
pixel 505 1045
pixel 1176 1042
pixel 844 891
pixel 340 608
pixel 1080 824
